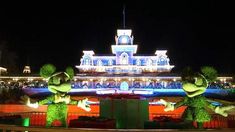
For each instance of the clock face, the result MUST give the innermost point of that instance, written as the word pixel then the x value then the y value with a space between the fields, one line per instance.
pixel 124 39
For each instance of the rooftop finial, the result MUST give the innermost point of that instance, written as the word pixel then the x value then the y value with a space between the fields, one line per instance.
pixel 123 12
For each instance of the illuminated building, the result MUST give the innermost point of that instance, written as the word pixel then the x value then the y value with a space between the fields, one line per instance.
pixel 122 72
pixel 124 60
pixel 2 70
pixel 27 69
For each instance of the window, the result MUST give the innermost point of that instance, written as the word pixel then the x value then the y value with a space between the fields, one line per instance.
pixel 124 86
pixel 138 62
pixel 149 62
pixel 87 61
pixel 162 61
pixel 99 63
pixel 110 63
pixel 124 58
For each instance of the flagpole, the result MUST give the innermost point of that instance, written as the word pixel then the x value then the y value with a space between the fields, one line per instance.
pixel 123 12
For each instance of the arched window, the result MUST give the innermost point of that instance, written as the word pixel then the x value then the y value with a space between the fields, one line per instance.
pixel 138 62
pixel 99 63
pixel 124 58
pixel 124 86
pixel 87 61
pixel 110 63
pixel 149 62
pixel 162 61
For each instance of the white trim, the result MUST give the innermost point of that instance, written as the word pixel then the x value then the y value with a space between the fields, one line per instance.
pixel 124 48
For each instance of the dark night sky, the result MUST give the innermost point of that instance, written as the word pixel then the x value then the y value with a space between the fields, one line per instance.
pixel 194 33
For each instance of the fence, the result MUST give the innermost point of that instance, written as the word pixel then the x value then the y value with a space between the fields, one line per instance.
pixel 39 119
pixel 38 116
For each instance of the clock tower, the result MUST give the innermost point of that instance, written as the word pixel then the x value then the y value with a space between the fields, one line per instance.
pixel 124 48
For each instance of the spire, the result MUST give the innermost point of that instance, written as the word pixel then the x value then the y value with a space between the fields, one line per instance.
pixel 124 17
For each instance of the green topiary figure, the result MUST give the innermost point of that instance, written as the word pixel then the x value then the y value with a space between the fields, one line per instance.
pixel 194 85
pixel 59 84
